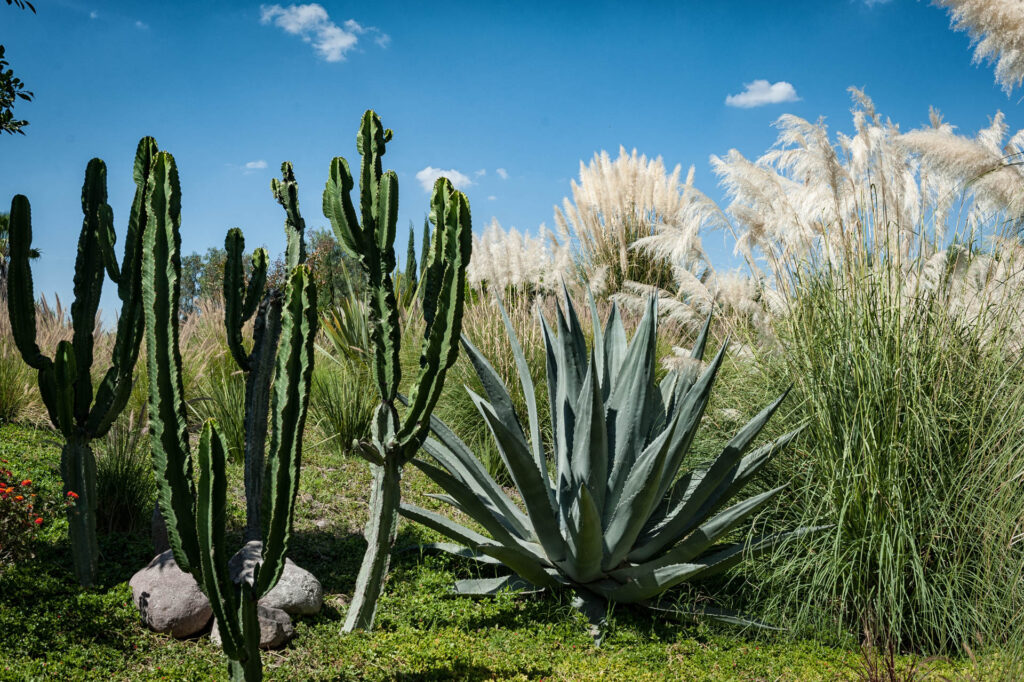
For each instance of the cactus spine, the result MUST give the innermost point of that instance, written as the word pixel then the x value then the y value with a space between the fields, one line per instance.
pixel 241 302
pixel 194 505
pixel 396 439
pixel 65 382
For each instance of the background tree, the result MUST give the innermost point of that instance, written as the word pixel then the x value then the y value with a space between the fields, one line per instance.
pixel 11 88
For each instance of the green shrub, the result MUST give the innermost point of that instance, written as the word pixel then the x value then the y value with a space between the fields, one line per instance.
pixel 342 402
pixel 914 451
pixel 125 488
pixel 221 396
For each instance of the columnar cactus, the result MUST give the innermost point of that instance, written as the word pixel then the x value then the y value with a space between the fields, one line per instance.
pixel 241 302
pixel 65 382
pixel 194 506
pixel 396 438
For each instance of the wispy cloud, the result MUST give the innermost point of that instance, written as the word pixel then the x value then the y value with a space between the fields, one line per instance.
pixel 502 173
pixel 256 165
pixel 93 14
pixel 429 175
pixel 491 198
pixel 312 23
pixel 480 173
pixel 761 92
pixel 141 25
pixel 872 3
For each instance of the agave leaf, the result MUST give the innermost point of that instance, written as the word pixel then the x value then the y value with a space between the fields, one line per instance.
pixel 638 498
pixel 486 587
pixel 709 533
pixel 590 442
pixel 532 484
pixel 526 382
pixel 524 563
pixel 627 404
pixel 443 525
pixel 615 346
pixel 597 355
pixel 640 585
pixel 458 550
pixel 585 538
pixel 480 509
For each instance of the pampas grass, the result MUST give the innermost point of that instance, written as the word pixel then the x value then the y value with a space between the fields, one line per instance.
pixel 996 28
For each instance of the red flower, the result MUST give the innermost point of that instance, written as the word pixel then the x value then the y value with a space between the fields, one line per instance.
pixel 72 494
pixel 39 520
pixel 27 481
pixel 19 498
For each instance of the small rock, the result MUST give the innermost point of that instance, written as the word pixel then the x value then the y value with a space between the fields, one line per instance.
pixel 276 628
pixel 298 592
pixel 169 600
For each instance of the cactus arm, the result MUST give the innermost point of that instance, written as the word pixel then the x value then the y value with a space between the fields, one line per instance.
pixel 386 333
pixel 257 283
pixel 161 288
pixel 211 505
pixel 338 208
pixel 286 191
pixel 115 389
pixel 88 282
pixel 21 302
pixel 65 375
pixel 441 347
pixel 106 239
pixel 290 401
pixel 234 296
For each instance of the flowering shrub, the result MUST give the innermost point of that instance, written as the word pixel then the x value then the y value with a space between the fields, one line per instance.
pixel 19 514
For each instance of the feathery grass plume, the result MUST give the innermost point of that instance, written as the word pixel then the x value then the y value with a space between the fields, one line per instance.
pixel 996 28
pixel 615 204
pixel 507 259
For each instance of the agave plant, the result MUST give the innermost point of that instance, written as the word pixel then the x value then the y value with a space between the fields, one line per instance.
pixel 616 523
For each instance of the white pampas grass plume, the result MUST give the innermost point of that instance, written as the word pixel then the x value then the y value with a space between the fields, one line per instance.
pixel 996 28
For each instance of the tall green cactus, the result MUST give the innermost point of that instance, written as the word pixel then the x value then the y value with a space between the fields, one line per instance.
pixel 194 506
pixel 397 438
pixel 241 302
pixel 65 383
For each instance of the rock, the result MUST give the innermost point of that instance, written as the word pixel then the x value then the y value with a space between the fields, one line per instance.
pixel 169 600
pixel 298 592
pixel 275 628
pixel 158 531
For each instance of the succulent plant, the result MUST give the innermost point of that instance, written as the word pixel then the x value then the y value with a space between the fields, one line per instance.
pixel 396 438
pixel 193 503
pixel 616 523
pixel 79 413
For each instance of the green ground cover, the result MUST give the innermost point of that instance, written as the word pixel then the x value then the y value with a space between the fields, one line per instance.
pixel 50 628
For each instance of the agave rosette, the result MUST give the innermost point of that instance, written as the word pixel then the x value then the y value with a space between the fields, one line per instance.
pixel 615 521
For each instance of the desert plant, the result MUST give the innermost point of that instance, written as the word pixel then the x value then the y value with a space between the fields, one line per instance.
pixel 221 396
pixel 194 508
pixel 244 300
pixel 615 524
pixel 65 382
pixel 343 399
pixel 396 439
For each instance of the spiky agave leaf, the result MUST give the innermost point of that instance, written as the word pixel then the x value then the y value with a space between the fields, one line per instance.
pixel 617 522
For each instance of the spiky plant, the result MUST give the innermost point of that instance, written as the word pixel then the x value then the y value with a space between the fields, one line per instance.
pixel 193 497
pixel 78 412
pixel 396 438
pixel 616 523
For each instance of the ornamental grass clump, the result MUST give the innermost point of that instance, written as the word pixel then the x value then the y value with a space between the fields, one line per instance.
pixel 616 523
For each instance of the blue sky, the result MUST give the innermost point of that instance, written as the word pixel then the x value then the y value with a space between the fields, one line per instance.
pixel 512 95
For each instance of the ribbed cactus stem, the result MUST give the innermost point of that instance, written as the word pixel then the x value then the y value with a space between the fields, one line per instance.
pixel 193 501
pixel 65 384
pixel 395 441
pixel 380 532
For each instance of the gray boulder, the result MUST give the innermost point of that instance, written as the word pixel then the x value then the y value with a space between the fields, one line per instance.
pixel 297 592
pixel 276 628
pixel 169 600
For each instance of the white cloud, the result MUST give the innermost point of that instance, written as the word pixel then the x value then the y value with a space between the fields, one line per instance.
pixel 256 165
pixel 502 173
pixel 141 25
pixel 491 198
pixel 761 92
pixel 312 23
pixel 480 173
pixel 872 3
pixel 429 175
pixel 93 14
